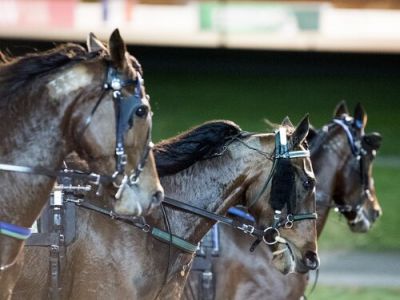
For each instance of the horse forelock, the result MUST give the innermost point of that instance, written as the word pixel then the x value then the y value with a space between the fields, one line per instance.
pixel 198 143
pixel 15 73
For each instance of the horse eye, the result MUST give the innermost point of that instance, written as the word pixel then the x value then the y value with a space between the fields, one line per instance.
pixel 309 184
pixel 142 111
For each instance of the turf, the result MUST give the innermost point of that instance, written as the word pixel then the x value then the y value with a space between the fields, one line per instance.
pixel 354 293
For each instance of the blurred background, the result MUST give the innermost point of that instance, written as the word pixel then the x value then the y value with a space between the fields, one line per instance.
pixel 248 61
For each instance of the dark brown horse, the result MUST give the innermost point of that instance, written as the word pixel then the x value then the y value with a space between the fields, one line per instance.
pixel 213 166
pixel 342 160
pixel 63 100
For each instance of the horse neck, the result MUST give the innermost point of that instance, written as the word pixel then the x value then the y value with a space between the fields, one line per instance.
pixel 35 133
pixel 328 159
pixel 214 184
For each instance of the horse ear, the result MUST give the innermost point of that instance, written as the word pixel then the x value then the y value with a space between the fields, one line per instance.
pixel 301 131
pixel 340 109
pixel 117 49
pixel 312 133
pixel 94 44
pixel 360 116
pixel 372 140
pixel 287 123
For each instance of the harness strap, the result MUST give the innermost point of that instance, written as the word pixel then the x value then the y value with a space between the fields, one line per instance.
pixel 240 213
pixel 176 241
pixel 15 231
pixel 212 216
pixel 349 135
pixel 135 221
pixel 91 177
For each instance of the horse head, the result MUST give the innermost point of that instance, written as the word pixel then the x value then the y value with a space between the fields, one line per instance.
pixel 289 200
pixel 355 195
pixel 111 124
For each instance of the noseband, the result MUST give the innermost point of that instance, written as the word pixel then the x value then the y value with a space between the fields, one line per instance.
pixel 125 109
pixel 360 154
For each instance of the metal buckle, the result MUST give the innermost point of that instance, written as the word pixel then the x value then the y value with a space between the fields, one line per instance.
pixel 97 178
pixel 123 159
pixel 247 228
pixel 289 221
pixel 116 84
pixel 121 187
pixel 133 179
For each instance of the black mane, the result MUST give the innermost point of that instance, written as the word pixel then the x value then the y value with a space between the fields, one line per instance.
pixel 198 143
pixel 15 72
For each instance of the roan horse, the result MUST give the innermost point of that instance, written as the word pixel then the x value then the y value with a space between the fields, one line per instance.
pixel 213 166
pixel 342 160
pixel 63 100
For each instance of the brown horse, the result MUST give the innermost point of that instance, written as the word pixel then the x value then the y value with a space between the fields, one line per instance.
pixel 63 100
pixel 342 159
pixel 213 166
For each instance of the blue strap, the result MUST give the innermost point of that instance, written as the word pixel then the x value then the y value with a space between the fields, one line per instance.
pixel 15 231
pixel 350 137
pixel 240 213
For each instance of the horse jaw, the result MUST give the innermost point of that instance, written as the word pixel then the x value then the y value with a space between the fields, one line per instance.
pixel 282 259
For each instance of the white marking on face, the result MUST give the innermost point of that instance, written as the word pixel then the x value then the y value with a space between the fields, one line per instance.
pixel 69 81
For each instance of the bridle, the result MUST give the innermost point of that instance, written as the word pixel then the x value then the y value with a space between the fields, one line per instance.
pixel 126 107
pixel 271 234
pixel 360 154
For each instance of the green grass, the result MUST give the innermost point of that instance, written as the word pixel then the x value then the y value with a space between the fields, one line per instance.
pixel 354 293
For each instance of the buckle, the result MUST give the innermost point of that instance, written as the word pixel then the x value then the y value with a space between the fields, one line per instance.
pixel 247 228
pixel 96 181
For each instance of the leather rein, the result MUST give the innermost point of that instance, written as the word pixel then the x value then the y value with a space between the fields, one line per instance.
pixel 125 109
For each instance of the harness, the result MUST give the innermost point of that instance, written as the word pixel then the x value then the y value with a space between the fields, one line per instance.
pixel 360 153
pixel 125 108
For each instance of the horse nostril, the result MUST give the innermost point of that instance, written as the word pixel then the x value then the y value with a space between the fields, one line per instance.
pixel 157 198
pixel 311 260
pixel 377 214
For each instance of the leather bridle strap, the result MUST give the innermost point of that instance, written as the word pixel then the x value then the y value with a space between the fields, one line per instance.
pixel 246 228
pixel 139 222
pixel 90 177
pixel 359 152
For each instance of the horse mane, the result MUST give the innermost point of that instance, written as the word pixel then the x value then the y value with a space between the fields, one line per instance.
pixel 199 143
pixel 16 72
